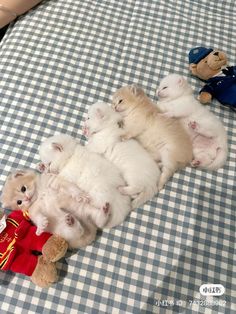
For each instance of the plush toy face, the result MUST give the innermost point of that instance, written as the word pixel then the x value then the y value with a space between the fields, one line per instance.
pixel 210 65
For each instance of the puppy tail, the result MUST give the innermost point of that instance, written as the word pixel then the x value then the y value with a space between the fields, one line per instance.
pixel 143 197
pixel 219 161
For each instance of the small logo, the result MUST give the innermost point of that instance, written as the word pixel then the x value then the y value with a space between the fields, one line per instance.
pixel 212 289
pixel 195 51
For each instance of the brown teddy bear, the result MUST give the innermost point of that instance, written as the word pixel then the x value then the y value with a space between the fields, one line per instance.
pixel 22 251
pixel 210 66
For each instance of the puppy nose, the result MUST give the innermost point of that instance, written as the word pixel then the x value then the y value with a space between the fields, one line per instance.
pixel 216 53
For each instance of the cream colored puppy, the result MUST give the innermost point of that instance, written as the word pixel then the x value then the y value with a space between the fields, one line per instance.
pixel 165 139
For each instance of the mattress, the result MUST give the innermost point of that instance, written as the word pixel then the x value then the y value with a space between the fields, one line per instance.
pixel 58 59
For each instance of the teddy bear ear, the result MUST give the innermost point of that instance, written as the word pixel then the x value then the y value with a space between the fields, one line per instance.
pixel 193 68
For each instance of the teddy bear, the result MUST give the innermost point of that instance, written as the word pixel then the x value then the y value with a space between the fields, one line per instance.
pixel 211 67
pixel 22 251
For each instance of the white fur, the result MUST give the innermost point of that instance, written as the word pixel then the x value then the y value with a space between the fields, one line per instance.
pixel 91 172
pixel 139 170
pixel 48 215
pixel 207 133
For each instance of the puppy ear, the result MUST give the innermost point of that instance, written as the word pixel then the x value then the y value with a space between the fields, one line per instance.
pixel 99 113
pixel 193 68
pixel 58 147
pixel 135 89
pixel 180 81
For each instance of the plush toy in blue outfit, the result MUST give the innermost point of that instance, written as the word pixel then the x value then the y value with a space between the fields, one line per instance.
pixel 210 66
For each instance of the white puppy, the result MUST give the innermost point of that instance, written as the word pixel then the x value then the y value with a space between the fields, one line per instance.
pixel 206 131
pixel 140 171
pixel 92 173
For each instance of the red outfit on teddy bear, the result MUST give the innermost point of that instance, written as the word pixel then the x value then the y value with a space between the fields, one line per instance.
pixel 20 248
pixel 18 241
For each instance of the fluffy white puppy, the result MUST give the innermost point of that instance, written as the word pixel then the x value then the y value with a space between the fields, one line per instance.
pixel 141 173
pixel 92 173
pixel 208 135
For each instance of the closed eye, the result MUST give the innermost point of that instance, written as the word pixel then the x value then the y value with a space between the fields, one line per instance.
pixel 120 101
pixel 164 87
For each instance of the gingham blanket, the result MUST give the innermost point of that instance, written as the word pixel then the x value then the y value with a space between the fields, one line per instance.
pixel 58 59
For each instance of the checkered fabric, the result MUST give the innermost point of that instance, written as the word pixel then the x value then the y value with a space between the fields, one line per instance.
pixel 58 59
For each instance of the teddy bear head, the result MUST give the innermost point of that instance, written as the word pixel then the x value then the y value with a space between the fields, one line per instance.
pixel 206 63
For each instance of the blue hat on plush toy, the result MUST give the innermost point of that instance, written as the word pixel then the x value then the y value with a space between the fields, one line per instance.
pixel 198 53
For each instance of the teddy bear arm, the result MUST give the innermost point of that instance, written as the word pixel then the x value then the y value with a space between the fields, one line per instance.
pixel 205 97
pixel 206 94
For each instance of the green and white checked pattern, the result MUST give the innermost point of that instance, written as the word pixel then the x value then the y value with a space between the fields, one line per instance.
pixel 57 60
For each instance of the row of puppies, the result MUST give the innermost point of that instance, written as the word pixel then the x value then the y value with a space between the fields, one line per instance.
pixel 97 185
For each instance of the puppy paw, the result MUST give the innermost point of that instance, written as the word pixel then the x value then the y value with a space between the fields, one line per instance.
pixel 69 219
pixel 195 163
pixel 41 167
pixel 103 216
pixel 106 208
pixel 42 225
pixel 193 125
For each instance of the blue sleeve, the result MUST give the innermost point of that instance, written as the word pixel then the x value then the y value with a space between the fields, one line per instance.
pixel 207 88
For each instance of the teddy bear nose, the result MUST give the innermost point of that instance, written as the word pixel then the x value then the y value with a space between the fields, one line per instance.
pixel 216 53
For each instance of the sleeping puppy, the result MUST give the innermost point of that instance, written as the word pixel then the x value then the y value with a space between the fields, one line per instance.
pixel 206 131
pixel 165 139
